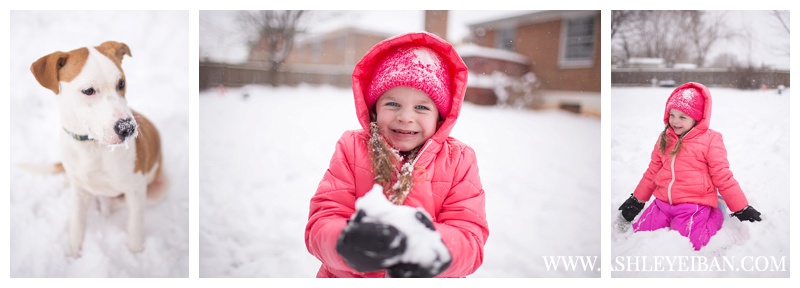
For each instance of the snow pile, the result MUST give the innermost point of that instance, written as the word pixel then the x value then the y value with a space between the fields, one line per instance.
pixel 423 245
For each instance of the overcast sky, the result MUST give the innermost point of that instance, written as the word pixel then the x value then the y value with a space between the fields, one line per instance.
pixel 767 38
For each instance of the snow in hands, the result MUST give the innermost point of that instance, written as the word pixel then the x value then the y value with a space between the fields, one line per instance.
pixel 424 246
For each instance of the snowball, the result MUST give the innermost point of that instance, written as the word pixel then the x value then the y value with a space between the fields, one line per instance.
pixel 423 245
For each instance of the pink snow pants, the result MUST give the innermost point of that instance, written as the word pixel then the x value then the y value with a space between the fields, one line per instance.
pixel 697 222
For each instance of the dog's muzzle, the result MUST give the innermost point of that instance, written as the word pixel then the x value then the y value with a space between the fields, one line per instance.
pixel 125 128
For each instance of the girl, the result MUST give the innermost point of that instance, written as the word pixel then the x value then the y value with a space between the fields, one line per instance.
pixel 408 93
pixel 688 167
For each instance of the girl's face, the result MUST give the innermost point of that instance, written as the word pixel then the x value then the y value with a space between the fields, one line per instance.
pixel 406 116
pixel 680 122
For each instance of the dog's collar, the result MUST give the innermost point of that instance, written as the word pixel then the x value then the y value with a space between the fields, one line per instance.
pixel 76 136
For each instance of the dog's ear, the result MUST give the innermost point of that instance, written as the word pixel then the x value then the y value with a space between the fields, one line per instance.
pixel 115 49
pixel 46 69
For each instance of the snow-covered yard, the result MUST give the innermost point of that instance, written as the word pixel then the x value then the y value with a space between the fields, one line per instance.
pixel 755 126
pixel 158 87
pixel 261 159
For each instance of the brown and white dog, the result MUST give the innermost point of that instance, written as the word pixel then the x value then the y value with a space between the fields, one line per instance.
pixel 98 158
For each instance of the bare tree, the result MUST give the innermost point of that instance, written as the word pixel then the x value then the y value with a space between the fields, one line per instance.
pixel 783 18
pixel 618 20
pixel 675 36
pixel 724 60
pixel 276 30
pixel 703 30
pixel 781 26
pixel 658 34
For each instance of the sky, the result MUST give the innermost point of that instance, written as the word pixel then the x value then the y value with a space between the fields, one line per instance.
pixel 767 35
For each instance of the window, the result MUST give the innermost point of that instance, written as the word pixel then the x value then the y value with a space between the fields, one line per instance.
pixel 577 42
pixel 505 38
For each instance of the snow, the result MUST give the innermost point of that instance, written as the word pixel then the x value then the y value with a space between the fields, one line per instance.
pixel 755 126
pixel 158 87
pixel 652 61
pixel 472 50
pixel 263 157
pixel 684 66
pixel 423 246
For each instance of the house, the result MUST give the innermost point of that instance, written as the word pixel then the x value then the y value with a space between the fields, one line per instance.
pixel 340 47
pixel 330 57
pixel 563 49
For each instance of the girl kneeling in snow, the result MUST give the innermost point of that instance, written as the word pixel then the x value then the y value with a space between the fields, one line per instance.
pixel 408 93
pixel 688 166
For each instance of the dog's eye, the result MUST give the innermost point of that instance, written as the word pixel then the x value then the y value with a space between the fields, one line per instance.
pixel 88 92
pixel 121 84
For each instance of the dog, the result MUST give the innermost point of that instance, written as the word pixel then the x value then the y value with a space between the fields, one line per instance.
pixel 108 149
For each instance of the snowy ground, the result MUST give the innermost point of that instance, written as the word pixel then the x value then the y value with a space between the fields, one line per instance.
pixel 261 159
pixel 158 87
pixel 755 126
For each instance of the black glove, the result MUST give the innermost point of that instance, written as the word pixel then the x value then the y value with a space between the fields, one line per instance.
pixel 631 208
pixel 747 214
pixel 414 270
pixel 410 270
pixel 364 246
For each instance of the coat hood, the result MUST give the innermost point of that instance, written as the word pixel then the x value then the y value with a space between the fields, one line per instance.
pixel 704 123
pixel 365 70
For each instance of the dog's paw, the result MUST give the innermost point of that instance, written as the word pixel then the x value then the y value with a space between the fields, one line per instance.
pixel 135 247
pixel 74 252
pixel 135 244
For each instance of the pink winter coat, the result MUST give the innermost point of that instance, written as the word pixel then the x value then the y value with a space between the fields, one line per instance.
pixel 698 170
pixel 448 188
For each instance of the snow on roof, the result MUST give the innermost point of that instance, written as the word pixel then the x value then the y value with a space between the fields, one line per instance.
pixel 535 16
pixel 684 66
pixel 472 50
pixel 636 60
pixel 480 81
pixel 333 33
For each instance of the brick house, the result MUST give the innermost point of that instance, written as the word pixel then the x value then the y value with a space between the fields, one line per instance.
pixel 563 48
pixel 333 53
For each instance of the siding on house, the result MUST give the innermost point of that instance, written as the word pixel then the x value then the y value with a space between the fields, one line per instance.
pixel 539 37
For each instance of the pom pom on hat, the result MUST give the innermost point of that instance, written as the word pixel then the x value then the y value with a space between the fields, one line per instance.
pixel 689 101
pixel 416 67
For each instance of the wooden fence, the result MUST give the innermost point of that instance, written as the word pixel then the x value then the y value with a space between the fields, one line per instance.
pixel 736 78
pixel 214 74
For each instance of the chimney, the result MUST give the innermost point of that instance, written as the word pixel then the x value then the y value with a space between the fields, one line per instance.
pixel 436 22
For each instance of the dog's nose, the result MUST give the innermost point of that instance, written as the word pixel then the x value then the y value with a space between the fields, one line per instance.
pixel 125 128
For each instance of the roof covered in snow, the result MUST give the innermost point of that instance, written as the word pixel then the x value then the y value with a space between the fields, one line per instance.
pixel 472 50
pixel 534 17
pixel 684 66
pixel 637 60
pixel 343 31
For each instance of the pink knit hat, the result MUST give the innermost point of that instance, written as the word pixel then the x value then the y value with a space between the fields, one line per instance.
pixel 417 67
pixel 687 100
